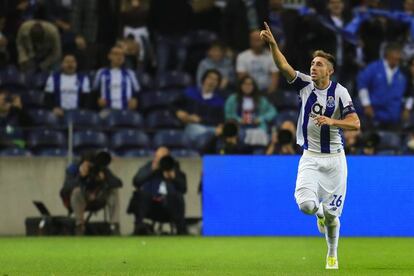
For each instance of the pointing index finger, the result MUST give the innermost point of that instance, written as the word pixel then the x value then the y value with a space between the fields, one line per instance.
pixel 267 26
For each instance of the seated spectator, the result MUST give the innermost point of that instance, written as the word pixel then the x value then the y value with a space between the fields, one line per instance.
pixel 201 108
pixel 38 45
pixel 381 88
pixel 284 140
pixel 409 94
pixel 159 183
pixel 117 86
pixel 227 141
pixel 257 62
pixel 132 52
pixel 67 89
pixel 12 113
pixel 370 142
pixel 90 185
pixel 252 111
pixel 216 59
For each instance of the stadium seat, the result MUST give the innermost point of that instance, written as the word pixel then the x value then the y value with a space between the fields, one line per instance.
pixel 12 79
pixel 42 117
pixel 157 99
pixel 33 99
pixel 52 152
pixel 162 119
pixel 124 118
pixel 287 100
pixel 125 140
pixel 202 37
pixel 184 153
pixel 36 80
pixel 15 152
pixel 389 141
pixel 173 79
pixel 8 135
pixel 173 139
pixel 136 153
pixel 45 139
pixel 145 81
pixel 88 140
pixel 82 119
pixel 290 115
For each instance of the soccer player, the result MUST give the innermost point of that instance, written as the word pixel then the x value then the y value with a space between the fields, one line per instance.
pixel 326 109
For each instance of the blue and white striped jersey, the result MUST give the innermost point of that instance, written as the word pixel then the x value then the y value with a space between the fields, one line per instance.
pixel 116 86
pixel 334 102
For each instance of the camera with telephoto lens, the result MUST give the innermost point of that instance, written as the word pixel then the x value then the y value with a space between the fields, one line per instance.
pixel 98 164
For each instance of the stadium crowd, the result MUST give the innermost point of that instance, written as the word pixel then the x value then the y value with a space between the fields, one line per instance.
pixel 135 75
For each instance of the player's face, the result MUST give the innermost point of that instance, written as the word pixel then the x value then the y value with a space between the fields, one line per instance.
pixel 320 69
pixel 69 65
pixel 117 57
pixel 247 87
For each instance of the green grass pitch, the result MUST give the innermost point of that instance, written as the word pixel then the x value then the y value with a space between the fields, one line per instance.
pixel 202 256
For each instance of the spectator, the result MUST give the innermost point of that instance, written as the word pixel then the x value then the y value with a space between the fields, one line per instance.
pixel 170 22
pixel 381 88
pixel 67 90
pixel 409 95
pixel 257 62
pixel 132 50
pixel 226 141
pixel 217 59
pixel 252 111
pixel 159 183
pixel 284 140
pixel 134 21
pixel 117 86
pixel 352 141
pixel 201 108
pixel 409 146
pixel 12 113
pixel 96 26
pixel 38 44
pixel 90 185
pixel 370 142
pixel 240 18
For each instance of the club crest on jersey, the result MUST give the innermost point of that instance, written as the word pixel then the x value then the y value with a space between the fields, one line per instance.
pixel 330 102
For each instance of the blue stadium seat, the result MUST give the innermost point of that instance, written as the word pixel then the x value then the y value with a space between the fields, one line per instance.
pixel 184 153
pixel 15 152
pixel 88 140
pixel 202 37
pixel 37 80
pixel 287 100
pixel 45 139
pixel 389 141
pixel 12 79
pixel 290 115
pixel 8 135
pixel 157 99
pixel 52 152
pixel 124 118
pixel 145 81
pixel 42 117
pixel 129 139
pixel 82 119
pixel 33 99
pixel 173 139
pixel 162 119
pixel 173 79
pixel 136 153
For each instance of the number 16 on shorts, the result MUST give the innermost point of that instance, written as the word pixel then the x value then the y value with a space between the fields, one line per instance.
pixel 337 201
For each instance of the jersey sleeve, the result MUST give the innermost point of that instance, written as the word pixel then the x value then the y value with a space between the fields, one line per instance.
pixel 345 104
pixel 300 81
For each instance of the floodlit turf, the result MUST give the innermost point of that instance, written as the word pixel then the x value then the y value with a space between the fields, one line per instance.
pixel 202 256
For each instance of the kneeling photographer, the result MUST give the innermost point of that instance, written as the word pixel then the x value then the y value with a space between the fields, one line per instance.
pixel 90 185
pixel 160 188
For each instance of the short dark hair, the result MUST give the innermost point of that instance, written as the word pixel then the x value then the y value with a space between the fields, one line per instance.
pixel 167 163
pixel 325 55
pixel 211 71
pixel 391 47
pixel 230 129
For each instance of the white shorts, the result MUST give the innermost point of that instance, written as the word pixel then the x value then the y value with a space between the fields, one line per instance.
pixel 322 179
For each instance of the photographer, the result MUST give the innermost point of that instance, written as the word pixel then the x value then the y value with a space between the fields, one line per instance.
pixel 90 185
pixel 283 140
pixel 159 183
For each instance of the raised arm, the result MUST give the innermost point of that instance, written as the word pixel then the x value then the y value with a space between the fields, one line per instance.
pixel 280 60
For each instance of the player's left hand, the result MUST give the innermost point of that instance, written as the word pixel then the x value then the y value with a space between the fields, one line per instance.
pixel 323 120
